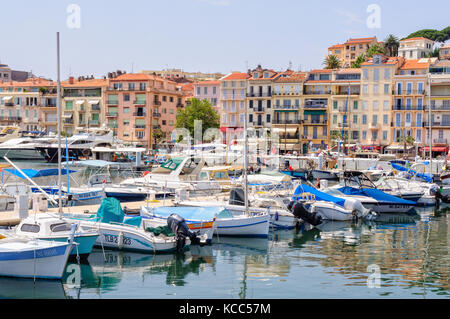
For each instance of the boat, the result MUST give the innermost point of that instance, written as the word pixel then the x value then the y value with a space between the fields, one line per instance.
pixel 199 219
pixel 49 227
pixel 21 148
pixel 358 184
pixel 128 234
pixel 80 144
pixel 32 258
pixel 322 174
pixel 9 132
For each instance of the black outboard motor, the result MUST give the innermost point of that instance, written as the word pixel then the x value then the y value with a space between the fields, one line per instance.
pixel 181 230
pixel 237 197
pixel 436 192
pixel 299 211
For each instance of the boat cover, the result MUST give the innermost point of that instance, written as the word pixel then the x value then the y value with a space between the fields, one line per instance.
pixel 110 211
pixel 376 194
pixel 411 172
pixel 193 213
pixel 32 173
pixel 321 196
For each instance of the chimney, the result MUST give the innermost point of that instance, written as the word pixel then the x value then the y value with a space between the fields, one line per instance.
pixel 71 80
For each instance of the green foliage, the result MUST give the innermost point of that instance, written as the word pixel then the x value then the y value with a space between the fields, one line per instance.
pixel 332 62
pixel 433 54
pixel 375 49
pixel 43 90
pixel 359 60
pixel 391 44
pixel 158 135
pixel 198 110
pixel 409 140
pixel 432 34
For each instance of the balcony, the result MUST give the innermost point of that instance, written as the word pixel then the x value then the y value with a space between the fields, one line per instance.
pixel 315 106
pixel 259 94
pixel 155 102
pixel 342 125
pixel 139 114
pixel 317 92
pixel 346 93
pixel 259 110
pixel 156 114
pixel 315 122
pixel 95 108
pixel 139 102
pixel 112 102
pixel 286 107
pixel 286 122
pixel 140 126
pixel 11 118
pixel 442 124
pixel 111 114
pixel 179 105
pixel 408 107
pixel 409 92
pixel 440 141
pixel 68 121
pixel 439 108
pixel 9 104
pixel 374 126
pixel 94 122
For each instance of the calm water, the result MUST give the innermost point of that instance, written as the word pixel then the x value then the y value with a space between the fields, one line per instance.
pixel 330 261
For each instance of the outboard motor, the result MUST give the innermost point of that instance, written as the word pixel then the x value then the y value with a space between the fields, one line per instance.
pixel 436 192
pixel 181 230
pixel 237 197
pixel 299 211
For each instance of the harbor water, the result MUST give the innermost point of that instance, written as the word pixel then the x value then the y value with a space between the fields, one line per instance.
pixel 397 256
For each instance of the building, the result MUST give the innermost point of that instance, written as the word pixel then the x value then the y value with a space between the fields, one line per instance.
pixel 208 90
pixel 409 103
pixel 259 99
pixel 444 53
pixel 288 111
pixel 415 48
pixel 345 112
pixel 142 108
pixel 83 104
pixel 233 88
pixel 439 97
pixel 30 104
pixel 174 74
pixel 351 50
pixel 376 100
pixel 6 74
pixel 316 101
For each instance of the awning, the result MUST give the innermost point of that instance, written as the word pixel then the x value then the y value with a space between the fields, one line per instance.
pixel 288 147
pixel 370 147
pixel 315 112
pixel 79 102
pixel 435 149
pixel 398 148
pixel 283 130
pixel 94 101
pixel 67 115
pixel 7 98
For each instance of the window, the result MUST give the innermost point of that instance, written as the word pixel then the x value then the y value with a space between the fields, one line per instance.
pixel 364 119
pixel 376 74
pixel 126 97
pixel 375 89
pixel 387 74
pixel 364 105
pixel 250 118
pixel 69 105
pixel 385 135
pixel 126 110
pixel 335 105
pixel 198 89
pixel 30 228
pixel 131 86
pixel 386 89
pixel 419 135
pixel 355 105
pixel 205 90
pixel 374 119
pixel 126 122
pixel 366 74
pixel 419 103
pixel 355 119
pixel 420 88
pixel 419 120
pixel 375 105
pixel 385 118
pixel 335 119
pixel 268 118
pixel 60 227
pixel 214 90
pixel 364 135
pixel 365 88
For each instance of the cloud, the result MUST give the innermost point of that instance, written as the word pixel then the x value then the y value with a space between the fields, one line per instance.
pixel 350 16
pixel 222 3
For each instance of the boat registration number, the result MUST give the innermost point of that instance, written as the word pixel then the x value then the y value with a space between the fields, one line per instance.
pixel 114 239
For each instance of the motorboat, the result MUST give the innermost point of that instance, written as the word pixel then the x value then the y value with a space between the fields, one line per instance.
pixel 32 258
pixel 9 132
pixel 322 174
pixel 22 148
pixel 79 145
pixel 50 227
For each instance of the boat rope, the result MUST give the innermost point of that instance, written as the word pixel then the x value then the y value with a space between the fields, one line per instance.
pixel 101 242
pixel 34 265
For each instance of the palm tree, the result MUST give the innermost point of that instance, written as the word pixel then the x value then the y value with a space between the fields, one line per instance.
pixel 332 62
pixel 392 44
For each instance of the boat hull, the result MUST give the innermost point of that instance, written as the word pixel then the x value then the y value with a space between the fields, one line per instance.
pixel 21 154
pixel 84 247
pixel 330 211
pixel 49 264
pixel 244 226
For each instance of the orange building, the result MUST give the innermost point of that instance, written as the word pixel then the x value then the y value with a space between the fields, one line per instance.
pixel 352 49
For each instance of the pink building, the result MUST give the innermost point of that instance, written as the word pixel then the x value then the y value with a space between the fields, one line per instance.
pixel 209 90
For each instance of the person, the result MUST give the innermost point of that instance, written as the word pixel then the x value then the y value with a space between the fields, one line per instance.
pixel 290 168
pixel 318 183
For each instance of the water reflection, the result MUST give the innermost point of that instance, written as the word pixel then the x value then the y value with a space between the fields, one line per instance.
pixel 13 288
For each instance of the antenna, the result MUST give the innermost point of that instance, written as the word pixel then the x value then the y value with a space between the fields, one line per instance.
pixel 132 67
pixel 290 65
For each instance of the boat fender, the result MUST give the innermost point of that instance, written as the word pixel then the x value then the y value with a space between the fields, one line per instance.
pixel 120 240
pixel 299 211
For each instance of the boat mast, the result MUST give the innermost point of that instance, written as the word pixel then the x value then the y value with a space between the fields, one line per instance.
pixel 429 122
pixel 245 163
pixel 58 105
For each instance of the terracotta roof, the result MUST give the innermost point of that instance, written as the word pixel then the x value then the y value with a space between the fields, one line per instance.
pixel 294 77
pixel 336 46
pixel 386 60
pixel 207 83
pixel 187 87
pixel 86 83
pixel 416 38
pixel 348 70
pixel 137 77
pixel 414 64
pixel 442 63
pixel 361 40
pixel 236 76
pixel 321 71
pixel 31 82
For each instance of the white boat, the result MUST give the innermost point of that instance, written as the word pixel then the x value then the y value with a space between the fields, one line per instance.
pixel 9 132
pixel 52 228
pixel 327 175
pixel 31 258
pixel 22 148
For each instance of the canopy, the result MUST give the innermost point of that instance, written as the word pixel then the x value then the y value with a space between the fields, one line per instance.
pixel 32 173
pixel 435 149
pixel 94 163
pixel 173 163
pixel 79 102
pixel 376 194
pixel 7 98
pixel 192 213
pixel 94 101
pixel 318 194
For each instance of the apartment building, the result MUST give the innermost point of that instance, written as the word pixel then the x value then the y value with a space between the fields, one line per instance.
pixel 138 104
pixel 409 102
pixel 345 111
pixel 352 49
pixel 415 48
pixel 30 104
pixel 287 99
pixel 440 107
pixel 208 90
pixel 444 53
pixel 316 101
pixel 376 100
pixel 83 104
pixel 233 88
pixel 259 98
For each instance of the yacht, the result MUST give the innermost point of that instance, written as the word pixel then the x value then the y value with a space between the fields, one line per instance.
pixel 22 148
pixel 8 132
pixel 78 145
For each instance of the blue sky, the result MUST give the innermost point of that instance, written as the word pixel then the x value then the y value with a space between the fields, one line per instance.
pixel 197 35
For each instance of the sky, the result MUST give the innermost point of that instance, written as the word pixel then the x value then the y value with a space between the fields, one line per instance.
pixel 197 35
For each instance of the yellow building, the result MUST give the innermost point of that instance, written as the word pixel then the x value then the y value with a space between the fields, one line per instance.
pixel 352 49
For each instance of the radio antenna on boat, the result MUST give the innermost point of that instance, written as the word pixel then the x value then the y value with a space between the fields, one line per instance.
pixel 245 163
pixel 58 105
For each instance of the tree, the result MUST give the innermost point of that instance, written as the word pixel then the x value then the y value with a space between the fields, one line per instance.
pixel 198 110
pixel 391 45
pixel 158 135
pixel 433 54
pixel 359 60
pixel 375 49
pixel 432 34
pixel 332 62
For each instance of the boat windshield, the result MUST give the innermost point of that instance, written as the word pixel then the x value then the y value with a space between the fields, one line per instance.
pixel 60 227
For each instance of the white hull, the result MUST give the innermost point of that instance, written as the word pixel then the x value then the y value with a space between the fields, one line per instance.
pixel 330 211
pixel 387 208
pixel 245 226
pixel 50 263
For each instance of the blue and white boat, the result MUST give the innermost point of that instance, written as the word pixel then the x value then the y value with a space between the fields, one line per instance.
pixel 31 258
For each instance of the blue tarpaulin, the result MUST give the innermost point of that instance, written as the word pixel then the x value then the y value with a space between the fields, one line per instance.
pixel 376 194
pixel 32 173
pixel 412 173
pixel 318 194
